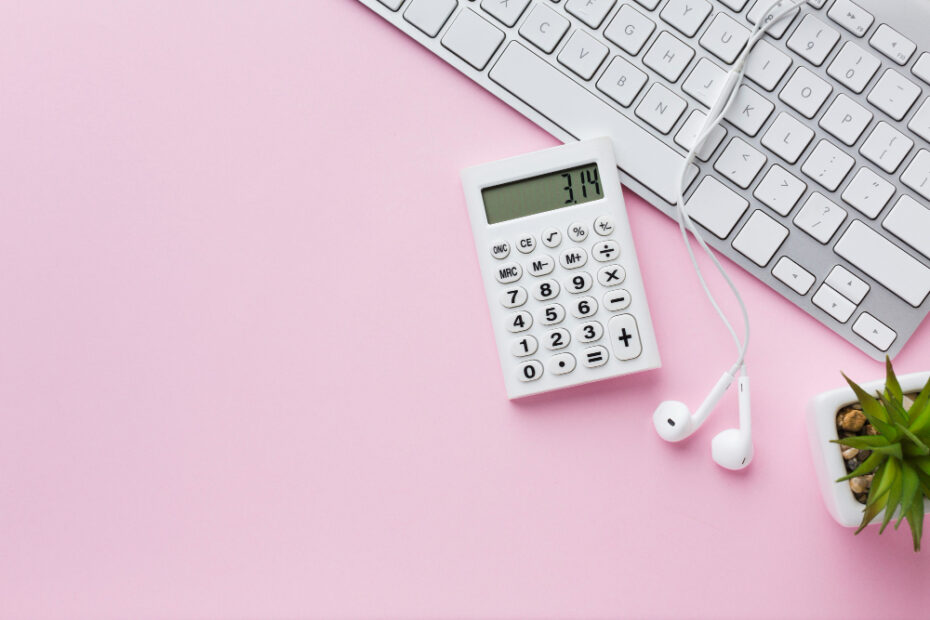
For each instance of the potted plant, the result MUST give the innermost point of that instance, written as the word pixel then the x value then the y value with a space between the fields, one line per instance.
pixel 872 453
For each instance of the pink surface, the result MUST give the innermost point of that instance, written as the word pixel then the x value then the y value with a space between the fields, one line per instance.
pixel 246 367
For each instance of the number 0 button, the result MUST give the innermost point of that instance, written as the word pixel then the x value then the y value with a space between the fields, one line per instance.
pixel 530 371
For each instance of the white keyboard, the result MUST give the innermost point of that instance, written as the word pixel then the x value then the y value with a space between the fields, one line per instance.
pixel 818 183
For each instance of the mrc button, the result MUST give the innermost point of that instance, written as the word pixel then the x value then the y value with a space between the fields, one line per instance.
pixel 509 272
pixel 574 258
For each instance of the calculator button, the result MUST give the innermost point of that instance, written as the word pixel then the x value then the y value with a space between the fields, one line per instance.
pixel 524 346
pixel 551 238
pixel 604 226
pixel 514 297
pixel 547 289
pixel 584 307
pixel 526 244
pixel 617 300
pixel 553 314
pixel 500 250
pixel 577 232
pixel 611 275
pixel 542 266
pixel 589 332
pixel 561 364
pixel 594 357
pixel 519 322
pixel 605 251
pixel 625 337
pixel 509 272
pixel 557 339
pixel 579 283
pixel 529 371
pixel 573 259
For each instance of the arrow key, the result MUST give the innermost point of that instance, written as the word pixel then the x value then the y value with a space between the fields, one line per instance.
pixel 851 287
pixel 874 331
pixel 793 275
pixel 834 304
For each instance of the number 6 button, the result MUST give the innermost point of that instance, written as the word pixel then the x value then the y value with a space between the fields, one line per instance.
pixel 584 307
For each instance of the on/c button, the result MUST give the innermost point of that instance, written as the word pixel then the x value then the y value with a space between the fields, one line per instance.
pixel 624 334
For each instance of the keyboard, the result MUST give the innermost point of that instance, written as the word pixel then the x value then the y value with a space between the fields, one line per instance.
pixel 818 183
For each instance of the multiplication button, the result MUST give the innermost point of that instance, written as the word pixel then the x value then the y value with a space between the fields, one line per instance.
pixel 541 266
pixel 617 300
pixel 611 275
pixel 500 250
pixel 605 251
pixel 561 364
pixel 508 273
pixel 573 259
pixel 551 238
pixel 577 232
pixel 604 226
pixel 526 244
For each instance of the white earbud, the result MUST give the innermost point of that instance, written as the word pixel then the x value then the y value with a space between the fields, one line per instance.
pixel 732 448
pixel 673 419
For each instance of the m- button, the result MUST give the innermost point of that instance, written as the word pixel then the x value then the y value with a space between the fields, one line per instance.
pixel 573 259
pixel 541 265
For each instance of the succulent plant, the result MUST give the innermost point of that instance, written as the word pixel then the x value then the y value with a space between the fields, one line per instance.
pixel 900 455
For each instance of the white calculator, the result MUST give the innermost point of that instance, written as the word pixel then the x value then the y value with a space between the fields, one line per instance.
pixel 560 269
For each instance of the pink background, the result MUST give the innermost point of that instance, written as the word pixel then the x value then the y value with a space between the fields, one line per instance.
pixel 246 367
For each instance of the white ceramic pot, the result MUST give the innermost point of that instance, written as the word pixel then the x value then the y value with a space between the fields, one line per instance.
pixel 821 423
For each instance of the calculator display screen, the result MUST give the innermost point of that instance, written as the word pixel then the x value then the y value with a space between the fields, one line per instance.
pixel 546 192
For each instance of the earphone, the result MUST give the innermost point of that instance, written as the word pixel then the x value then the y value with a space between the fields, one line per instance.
pixel 732 448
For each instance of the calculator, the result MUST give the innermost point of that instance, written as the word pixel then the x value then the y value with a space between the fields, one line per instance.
pixel 559 266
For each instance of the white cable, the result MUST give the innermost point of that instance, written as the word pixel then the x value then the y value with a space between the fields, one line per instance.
pixel 715 117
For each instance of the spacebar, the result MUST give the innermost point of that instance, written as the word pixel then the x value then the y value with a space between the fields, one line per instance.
pixel 561 100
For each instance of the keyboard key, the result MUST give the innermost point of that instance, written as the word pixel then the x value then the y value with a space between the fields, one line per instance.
pixel 793 275
pixel 820 217
pixel 760 7
pixel 622 82
pixel 853 67
pixel 874 331
pixel 668 57
pixel 725 38
pixel 886 147
pixel 624 334
pixel 661 108
pixel 805 92
pixel 530 371
pixel 893 44
pixel 561 364
pixel 583 54
pixel 507 12
pixel 917 174
pixel 736 5
pixel 846 120
pixel 686 16
pixel 689 132
pixel 828 165
pixel 922 67
pixel 920 124
pixel 544 28
pixel 766 65
pixel 740 162
pixel 639 153
pixel 749 110
pixel 629 30
pixel 868 192
pixel 847 284
pixel 813 40
pixel 716 207
pixel 851 16
pixel 909 221
pixel 472 39
pixel 392 4
pixel 705 82
pixel 591 12
pixel 885 262
pixel 833 303
pixel 787 137
pixel 760 238
pixel 894 94
pixel 429 16
pixel 780 190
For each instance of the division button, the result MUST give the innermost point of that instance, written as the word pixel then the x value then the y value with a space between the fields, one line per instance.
pixel 551 238
pixel 604 225
pixel 561 364
pixel 874 331
pixel 500 250
pixel 530 371
pixel 594 357
pixel 605 251
pixel 526 244
pixel 611 275
pixel 509 272
pixel 624 334
pixel 617 300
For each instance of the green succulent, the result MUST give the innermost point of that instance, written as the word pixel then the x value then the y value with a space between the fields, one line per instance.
pixel 900 455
